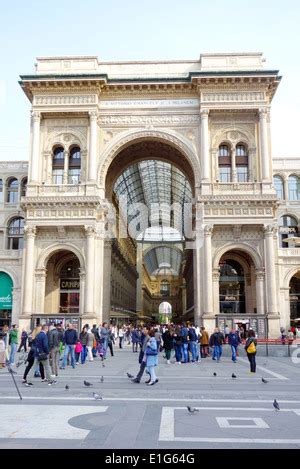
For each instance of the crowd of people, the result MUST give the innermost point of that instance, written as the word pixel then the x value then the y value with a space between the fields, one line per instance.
pixel 50 347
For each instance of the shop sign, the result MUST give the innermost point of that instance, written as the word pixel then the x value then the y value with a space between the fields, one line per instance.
pixel 69 284
pixel 5 291
pixel 288 229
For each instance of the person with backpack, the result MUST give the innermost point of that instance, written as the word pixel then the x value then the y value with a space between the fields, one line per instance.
pixel 54 341
pixel 216 341
pixel 41 355
pixel 193 341
pixel 234 340
pixel 250 347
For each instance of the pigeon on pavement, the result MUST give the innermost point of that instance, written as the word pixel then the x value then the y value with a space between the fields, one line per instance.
pixel 192 410
pixel 102 379
pixel 276 405
pixel 264 380
pixel 97 396
pixel 66 387
pixel 130 376
pixel 86 383
pixel 233 375
pixel 215 374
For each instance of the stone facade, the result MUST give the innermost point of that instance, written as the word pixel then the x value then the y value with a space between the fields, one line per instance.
pixel 188 110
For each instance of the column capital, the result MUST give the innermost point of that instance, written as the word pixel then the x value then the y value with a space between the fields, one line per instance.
pixel 263 112
pixel 93 115
pixel 260 274
pixel 270 230
pixel 82 274
pixel 40 274
pixel 90 231
pixel 216 274
pixel 208 230
pixel 204 113
pixel 35 115
pixel 30 231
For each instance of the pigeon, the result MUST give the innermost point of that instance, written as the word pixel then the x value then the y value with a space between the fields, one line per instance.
pixel 264 380
pixel 66 387
pixel 102 379
pixel 215 374
pixel 192 410
pixel 233 375
pixel 19 364
pixel 86 383
pixel 276 405
pixel 97 396
pixel 130 376
pixel 103 365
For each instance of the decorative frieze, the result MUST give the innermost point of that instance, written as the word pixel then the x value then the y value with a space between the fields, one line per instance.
pixel 60 100
pixel 139 120
pixel 236 97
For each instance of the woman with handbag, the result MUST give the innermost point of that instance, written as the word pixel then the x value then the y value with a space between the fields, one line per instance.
pixel 151 357
pixel 250 348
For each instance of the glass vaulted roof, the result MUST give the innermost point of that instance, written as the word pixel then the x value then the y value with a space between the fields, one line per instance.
pixel 157 185
pixel 163 260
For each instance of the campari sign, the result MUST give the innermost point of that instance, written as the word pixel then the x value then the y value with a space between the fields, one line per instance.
pixel 6 286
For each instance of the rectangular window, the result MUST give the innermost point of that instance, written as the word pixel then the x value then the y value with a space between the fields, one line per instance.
pixel 74 176
pixel 57 176
pixel 225 174
pixel 12 197
pixel 242 173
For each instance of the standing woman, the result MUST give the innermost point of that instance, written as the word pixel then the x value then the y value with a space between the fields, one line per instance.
pixel 90 345
pixel 83 339
pixel 121 336
pixel 30 357
pixel 151 358
pixel 167 338
pixel 250 348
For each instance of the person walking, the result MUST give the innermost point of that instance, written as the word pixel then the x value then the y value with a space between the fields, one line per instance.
pixel 70 339
pixel 234 340
pixel 167 338
pixel 30 357
pixel 193 342
pixel 111 341
pixel 23 344
pixel 216 340
pixel 90 345
pixel 121 336
pixel 185 342
pixel 177 337
pixel 13 342
pixel 54 341
pixel 2 351
pixel 135 340
pixel 250 347
pixel 78 350
pixel 104 333
pixel 226 332
pixel 83 339
pixel 204 343
pixel 97 339
pixel 145 339
pixel 41 355
pixel 151 358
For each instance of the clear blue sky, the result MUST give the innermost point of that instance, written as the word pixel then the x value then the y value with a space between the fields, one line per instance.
pixel 147 30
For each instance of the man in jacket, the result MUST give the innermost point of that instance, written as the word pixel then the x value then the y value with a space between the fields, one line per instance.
pixel 216 340
pixel 54 341
pixel 234 340
pixel 70 340
pixel 41 350
pixel 24 337
pixel 145 340
pixel 104 333
pixel 193 342
pixel 185 344
pixel 97 339
pixel 204 341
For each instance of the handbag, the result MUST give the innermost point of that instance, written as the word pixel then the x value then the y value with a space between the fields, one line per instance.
pixel 42 356
pixel 251 348
pixel 149 351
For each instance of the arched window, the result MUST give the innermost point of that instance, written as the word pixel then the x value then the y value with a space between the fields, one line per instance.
pixel 58 165
pixel 278 184
pixel 12 191
pixel 23 187
pixel 165 288
pixel 232 287
pixel 224 158
pixel 74 166
pixel 294 188
pixel 288 228
pixel 1 191
pixel 241 163
pixel 16 233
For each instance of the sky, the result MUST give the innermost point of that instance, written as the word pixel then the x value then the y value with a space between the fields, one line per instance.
pixel 118 30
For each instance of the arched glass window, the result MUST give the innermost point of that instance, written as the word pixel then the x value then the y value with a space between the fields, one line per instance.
pixel 16 233
pixel 70 287
pixel 294 188
pixel 165 288
pixel 58 166
pixel 278 184
pixel 288 228
pixel 241 156
pixel 12 191
pixel 74 166
pixel 23 187
pixel 224 159
pixel 1 191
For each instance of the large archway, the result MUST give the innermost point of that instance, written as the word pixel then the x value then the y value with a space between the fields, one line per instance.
pixel 294 297
pixel 157 181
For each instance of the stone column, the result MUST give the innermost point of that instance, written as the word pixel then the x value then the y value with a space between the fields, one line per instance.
pixel 92 173
pixel 269 231
pixel 216 290
pixel 35 147
pixel 264 144
pixel 233 166
pixel 82 291
pixel 107 260
pixel 205 160
pixel 208 285
pixel 139 282
pixel 66 166
pixel 40 289
pixel 30 234
pixel 259 279
pixel 90 269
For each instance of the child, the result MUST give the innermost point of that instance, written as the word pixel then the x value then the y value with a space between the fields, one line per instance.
pixel 2 352
pixel 78 350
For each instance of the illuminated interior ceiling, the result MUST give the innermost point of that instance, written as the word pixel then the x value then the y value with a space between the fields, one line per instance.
pixel 157 185
pixel 163 260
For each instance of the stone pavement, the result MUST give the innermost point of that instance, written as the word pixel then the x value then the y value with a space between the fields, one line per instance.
pixel 233 413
